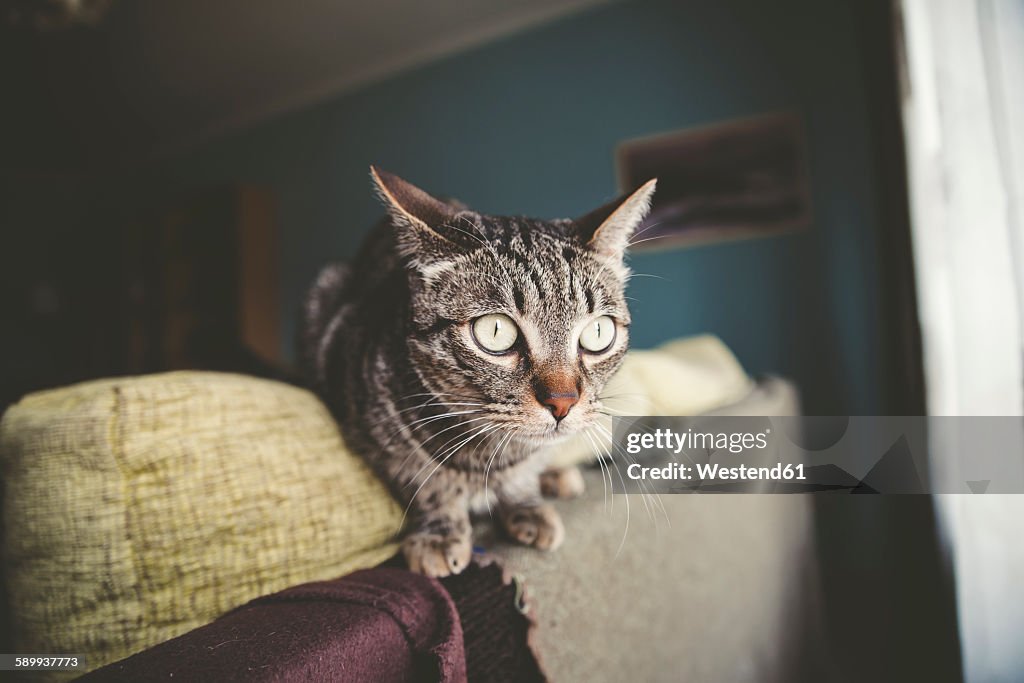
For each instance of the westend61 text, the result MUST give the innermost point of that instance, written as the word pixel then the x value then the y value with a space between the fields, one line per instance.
pixel 715 472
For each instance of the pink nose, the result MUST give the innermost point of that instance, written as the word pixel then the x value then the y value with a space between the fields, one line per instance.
pixel 560 403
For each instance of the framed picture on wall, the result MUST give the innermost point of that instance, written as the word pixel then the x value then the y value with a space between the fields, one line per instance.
pixel 724 181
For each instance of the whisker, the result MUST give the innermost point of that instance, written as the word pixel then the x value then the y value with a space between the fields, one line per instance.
pixel 396 413
pixel 642 486
pixel 618 472
pixel 501 456
pixel 431 418
pixel 650 493
pixel 439 450
pixel 461 423
pixel 620 394
pixel 408 428
pixel 649 227
pixel 436 395
pixel 484 429
pixel 604 483
pixel 507 436
pixel 646 239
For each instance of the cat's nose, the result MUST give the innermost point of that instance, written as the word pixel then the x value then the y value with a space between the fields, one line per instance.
pixel 559 403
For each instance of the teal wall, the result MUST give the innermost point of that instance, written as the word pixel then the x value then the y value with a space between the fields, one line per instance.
pixel 529 125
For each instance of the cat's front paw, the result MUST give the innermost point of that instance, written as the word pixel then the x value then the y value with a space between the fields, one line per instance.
pixel 435 555
pixel 564 483
pixel 539 526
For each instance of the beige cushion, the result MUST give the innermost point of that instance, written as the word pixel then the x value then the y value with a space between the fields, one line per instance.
pixel 137 509
pixel 679 587
pixel 691 588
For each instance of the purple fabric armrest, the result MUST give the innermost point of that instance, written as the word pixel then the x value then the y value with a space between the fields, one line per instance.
pixel 382 624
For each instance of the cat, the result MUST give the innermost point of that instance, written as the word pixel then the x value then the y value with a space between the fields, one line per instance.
pixel 458 348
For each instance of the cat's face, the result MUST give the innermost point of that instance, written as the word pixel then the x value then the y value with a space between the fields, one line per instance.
pixel 524 321
pixel 531 326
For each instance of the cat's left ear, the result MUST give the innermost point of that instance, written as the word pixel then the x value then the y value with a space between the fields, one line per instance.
pixel 607 230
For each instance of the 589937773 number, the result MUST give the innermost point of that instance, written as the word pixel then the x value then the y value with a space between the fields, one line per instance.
pixel 20 662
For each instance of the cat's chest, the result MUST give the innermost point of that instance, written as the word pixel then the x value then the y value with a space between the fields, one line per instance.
pixel 513 481
pixel 482 501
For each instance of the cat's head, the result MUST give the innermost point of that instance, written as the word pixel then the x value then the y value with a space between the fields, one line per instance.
pixel 523 319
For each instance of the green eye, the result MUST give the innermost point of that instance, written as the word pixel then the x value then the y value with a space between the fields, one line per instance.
pixel 495 332
pixel 598 335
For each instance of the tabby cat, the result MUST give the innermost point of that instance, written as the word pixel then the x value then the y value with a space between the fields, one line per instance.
pixel 458 348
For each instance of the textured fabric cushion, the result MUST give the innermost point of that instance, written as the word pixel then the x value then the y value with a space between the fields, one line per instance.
pixel 701 588
pixel 137 509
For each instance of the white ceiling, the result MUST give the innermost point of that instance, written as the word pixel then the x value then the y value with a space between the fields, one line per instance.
pixel 193 69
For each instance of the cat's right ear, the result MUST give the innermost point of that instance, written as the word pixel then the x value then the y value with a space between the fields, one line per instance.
pixel 418 216
pixel 409 204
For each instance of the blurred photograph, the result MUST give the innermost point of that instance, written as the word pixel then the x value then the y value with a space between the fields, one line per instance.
pixel 509 340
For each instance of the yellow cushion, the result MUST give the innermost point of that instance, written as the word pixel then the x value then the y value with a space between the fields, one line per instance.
pixel 136 509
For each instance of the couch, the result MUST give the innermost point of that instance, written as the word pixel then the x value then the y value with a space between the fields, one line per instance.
pixel 139 509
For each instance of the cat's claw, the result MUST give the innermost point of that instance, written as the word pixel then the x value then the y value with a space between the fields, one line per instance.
pixel 436 556
pixel 540 526
pixel 561 483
